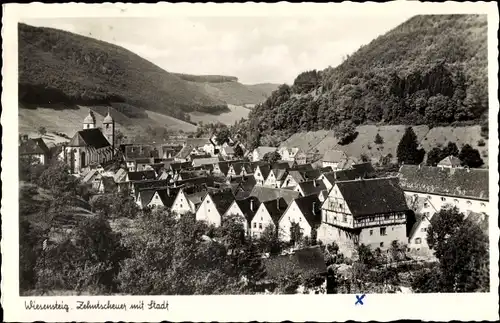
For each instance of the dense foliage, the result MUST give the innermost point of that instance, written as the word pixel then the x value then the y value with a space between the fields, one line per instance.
pixel 432 69
pixel 470 157
pixel 58 66
pixel 437 154
pixel 408 151
pixel 461 246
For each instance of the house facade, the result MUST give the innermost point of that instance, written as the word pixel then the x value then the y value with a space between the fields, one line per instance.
pixel 372 212
pixel 259 152
pixel 268 213
pixel 293 154
pixel 213 206
pixel 304 211
pixel 35 149
pixel 333 159
pixel 245 209
pixel 182 204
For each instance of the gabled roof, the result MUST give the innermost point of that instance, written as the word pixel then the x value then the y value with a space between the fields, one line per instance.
pixel 312 187
pixel 307 262
pixel 149 184
pixel 142 175
pixel 303 167
pixel 296 175
pixel 364 170
pixel 262 150
pixel 89 137
pixel 245 183
pixel 35 146
pixel 373 196
pixel 146 195
pixel 224 167
pixel 461 182
pixel 140 152
pixel 280 165
pixel 268 193
pixel 196 197
pixel 198 142
pixel 185 152
pixel 330 176
pixel 205 161
pixel 334 156
pixel 276 208
pixel 179 166
pixel 192 174
pixel 120 175
pixel 245 206
pixel 310 207
pixel 326 169
pixel 202 180
pixel 310 174
pixel 167 196
pixel 222 200
pixel 450 161
pixel 265 169
pixel 89 175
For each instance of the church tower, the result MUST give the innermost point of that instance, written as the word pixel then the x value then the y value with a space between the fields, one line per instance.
pixel 109 129
pixel 89 121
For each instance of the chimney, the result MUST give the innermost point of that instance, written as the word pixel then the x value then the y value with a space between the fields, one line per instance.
pixel 314 182
pixel 314 208
pixel 251 204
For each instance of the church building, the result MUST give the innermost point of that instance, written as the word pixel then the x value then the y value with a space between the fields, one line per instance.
pixel 91 146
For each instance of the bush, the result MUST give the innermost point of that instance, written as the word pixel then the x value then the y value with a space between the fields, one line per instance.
pixel 378 139
pixel 481 143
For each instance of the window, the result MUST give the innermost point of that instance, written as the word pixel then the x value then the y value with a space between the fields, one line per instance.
pixel 428 197
pixel 455 201
pixel 469 202
pixel 443 199
pixel 383 231
pixel 426 205
pixel 254 225
pixel 418 240
pixel 208 201
pixel 261 218
pixel 483 204
pixel 208 210
pixel 372 218
pixel 371 232
pixel 181 206
pixel 260 225
pixel 387 217
pixel 381 244
pixel 344 219
pixel 423 229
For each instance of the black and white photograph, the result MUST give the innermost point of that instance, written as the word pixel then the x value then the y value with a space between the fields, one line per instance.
pixel 250 154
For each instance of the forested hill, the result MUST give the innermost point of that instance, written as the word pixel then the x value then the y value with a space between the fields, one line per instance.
pixel 431 70
pixel 56 66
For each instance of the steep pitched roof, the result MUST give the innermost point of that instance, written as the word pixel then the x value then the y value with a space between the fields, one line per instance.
pixel 262 150
pixel 450 161
pixel 330 176
pixel 202 180
pixel 313 187
pixel 89 137
pixel 185 151
pixel 364 170
pixel 34 146
pixel 307 262
pixel 303 167
pixel 179 166
pixel 167 196
pixel 276 208
pixel 373 196
pixel 334 156
pixel 120 175
pixel 296 175
pixel 205 161
pixel 196 197
pixel 310 207
pixel 310 174
pixel 265 169
pixel 89 175
pixel 149 184
pixel 462 182
pixel 146 195
pixel 222 200
pixel 268 193
pixel 142 175
pixel 249 207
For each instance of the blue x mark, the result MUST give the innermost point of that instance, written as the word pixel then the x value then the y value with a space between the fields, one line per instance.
pixel 359 299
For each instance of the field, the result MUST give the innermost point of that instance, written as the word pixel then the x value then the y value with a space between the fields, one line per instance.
pixel 364 143
pixel 237 112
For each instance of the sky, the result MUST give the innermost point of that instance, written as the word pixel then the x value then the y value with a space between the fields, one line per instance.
pixel 254 49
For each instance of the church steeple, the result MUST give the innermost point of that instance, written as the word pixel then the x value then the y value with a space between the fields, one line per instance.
pixel 89 121
pixel 109 128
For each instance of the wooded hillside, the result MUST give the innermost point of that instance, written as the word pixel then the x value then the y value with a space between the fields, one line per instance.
pixel 60 67
pixel 430 70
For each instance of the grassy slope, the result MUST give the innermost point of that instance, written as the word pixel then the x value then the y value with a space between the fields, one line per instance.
pixel 325 140
pixel 82 69
pixel 70 120
pixel 237 112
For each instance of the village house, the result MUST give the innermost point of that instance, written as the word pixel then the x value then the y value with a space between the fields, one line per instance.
pixel 267 214
pixel 156 197
pixel 293 154
pixel 292 179
pixel 306 212
pixel 227 152
pixel 213 206
pixel 275 177
pixel 202 145
pixel 187 201
pixel 307 188
pixel 184 155
pixel 245 209
pixel 140 175
pixel 92 178
pixel 205 161
pixel 36 149
pixel 259 152
pixel 221 168
pixel 328 179
pixel 356 171
pixel 372 212
pixel 244 187
pixel 449 162
pixel 138 156
pixel 261 172
pixel 90 146
pixel 436 187
pixel 333 158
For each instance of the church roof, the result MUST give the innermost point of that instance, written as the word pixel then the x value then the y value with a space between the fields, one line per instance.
pixel 89 137
pixel 90 118
pixel 108 119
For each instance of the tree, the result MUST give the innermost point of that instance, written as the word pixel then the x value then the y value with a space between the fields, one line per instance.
pixel 461 247
pixel 450 150
pixel 269 240
pixel 366 256
pixel 434 156
pixel 42 131
pixel 272 157
pixel 222 136
pixel 296 234
pixel 238 151
pixel 470 157
pixel 408 151
pixel 345 132
pixel 56 177
pixel 378 139
pixel 364 158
